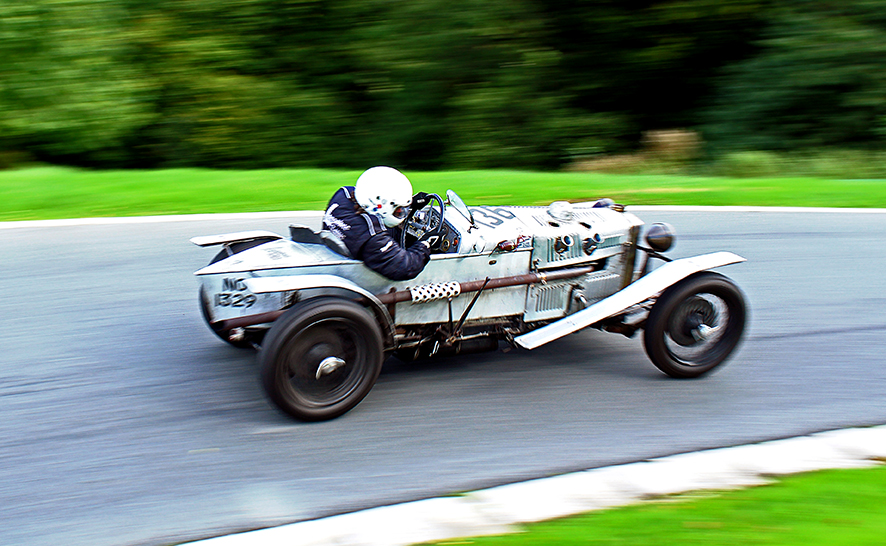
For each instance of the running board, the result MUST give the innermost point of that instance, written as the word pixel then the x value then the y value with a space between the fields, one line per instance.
pixel 636 292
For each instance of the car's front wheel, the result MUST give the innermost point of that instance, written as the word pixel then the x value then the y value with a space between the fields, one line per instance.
pixel 321 358
pixel 695 325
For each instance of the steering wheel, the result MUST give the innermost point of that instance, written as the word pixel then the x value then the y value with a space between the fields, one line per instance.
pixel 417 229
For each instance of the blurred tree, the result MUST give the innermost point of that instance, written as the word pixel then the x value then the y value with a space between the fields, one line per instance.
pixel 650 62
pixel 428 83
pixel 463 83
pixel 67 91
pixel 819 80
pixel 417 84
pixel 225 94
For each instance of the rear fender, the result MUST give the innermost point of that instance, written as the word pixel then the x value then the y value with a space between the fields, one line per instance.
pixel 641 290
pixel 323 285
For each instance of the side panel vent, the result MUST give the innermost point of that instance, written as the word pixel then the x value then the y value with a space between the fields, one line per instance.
pixel 547 301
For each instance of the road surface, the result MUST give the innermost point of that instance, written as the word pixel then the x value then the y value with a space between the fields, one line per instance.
pixel 124 420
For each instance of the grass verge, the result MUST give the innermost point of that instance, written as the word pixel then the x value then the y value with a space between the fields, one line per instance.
pixel 821 509
pixel 56 192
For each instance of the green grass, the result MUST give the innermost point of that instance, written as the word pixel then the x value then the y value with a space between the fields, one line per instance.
pixel 845 507
pixel 56 192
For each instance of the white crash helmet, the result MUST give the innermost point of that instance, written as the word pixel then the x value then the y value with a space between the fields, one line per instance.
pixel 385 192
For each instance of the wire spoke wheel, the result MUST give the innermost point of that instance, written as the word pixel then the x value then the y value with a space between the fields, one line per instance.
pixel 321 358
pixel 695 325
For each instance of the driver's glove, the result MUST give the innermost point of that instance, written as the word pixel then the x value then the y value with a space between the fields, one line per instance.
pixel 432 240
pixel 420 200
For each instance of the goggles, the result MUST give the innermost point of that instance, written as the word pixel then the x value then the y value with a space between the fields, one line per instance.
pixel 400 212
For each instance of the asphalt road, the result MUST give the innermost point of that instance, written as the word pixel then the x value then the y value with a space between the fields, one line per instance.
pixel 123 420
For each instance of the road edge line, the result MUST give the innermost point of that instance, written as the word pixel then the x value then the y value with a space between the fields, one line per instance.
pixel 116 220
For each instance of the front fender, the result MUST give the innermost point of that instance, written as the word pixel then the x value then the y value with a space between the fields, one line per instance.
pixel 640 290
pixel 323 283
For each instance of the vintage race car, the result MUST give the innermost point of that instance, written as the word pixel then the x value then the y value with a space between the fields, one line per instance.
pixel 323 322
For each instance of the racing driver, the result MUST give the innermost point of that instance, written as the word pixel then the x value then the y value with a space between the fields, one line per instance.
pixel 366 218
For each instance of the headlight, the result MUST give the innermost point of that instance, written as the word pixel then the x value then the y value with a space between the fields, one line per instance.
pixel 660 237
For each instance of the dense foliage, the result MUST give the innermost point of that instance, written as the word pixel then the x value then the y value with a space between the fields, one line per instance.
pixel 429 84
pixel 819 80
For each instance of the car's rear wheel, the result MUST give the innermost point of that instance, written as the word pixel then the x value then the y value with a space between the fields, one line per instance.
pixel 321 358
pixel 695 325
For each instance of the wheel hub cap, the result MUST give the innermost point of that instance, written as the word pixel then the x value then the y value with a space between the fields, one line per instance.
pixel 704 332
pixel 691 322
pixel 329 365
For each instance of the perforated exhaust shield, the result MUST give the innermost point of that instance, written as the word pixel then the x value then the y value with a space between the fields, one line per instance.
pixel 435 291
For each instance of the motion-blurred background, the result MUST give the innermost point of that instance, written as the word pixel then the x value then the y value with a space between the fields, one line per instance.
pixel 617 85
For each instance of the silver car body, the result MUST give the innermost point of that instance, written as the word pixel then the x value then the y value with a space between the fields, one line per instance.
pixel 597 244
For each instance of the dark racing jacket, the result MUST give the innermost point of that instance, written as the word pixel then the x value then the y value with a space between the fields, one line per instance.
pixel 369 240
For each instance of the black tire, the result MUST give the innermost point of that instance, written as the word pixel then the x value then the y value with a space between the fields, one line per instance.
pixel 695 325
pixel 323 330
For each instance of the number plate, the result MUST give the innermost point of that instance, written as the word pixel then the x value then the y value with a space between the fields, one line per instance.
pixel 229 298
